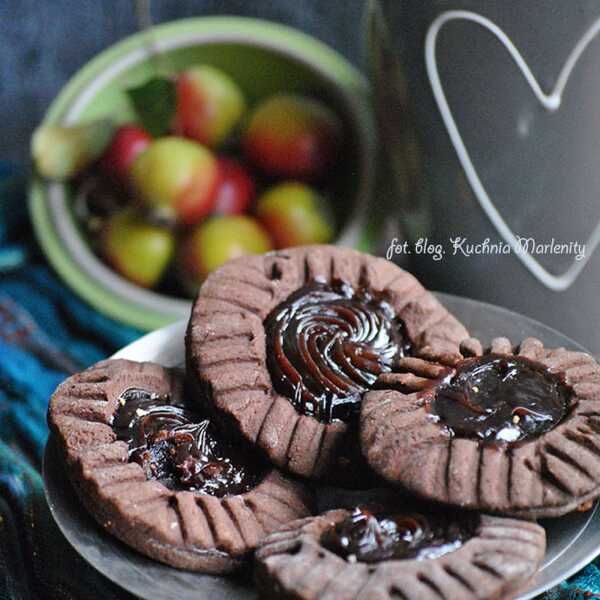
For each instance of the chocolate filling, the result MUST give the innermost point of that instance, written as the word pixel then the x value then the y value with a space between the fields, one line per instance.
pixel 501 399
pixel 371 537
pixel 179 448
pixel 328 343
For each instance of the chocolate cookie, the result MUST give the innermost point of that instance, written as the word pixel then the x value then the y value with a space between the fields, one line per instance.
pixel 156 474
pixel 285 344
pixel 399 552
pixel 513 432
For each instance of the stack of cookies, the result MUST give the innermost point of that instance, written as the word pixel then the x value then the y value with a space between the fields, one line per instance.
pixel 320 366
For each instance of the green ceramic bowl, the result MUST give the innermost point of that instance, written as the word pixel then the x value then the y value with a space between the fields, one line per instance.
pixel 264 58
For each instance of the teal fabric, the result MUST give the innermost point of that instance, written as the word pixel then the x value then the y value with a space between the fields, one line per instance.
pixel 46 333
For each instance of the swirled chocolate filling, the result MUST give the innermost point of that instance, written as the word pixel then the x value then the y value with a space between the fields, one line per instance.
pixel 180 449
pixel 501 399
pixel 369 537
pixel 328 343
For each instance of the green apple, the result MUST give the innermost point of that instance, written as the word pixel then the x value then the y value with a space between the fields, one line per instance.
pixel 293 136
pixel 176 179
pixel 63 152
pixel 136 249
pixel 294 214
pixel 209 105
pixel 218 240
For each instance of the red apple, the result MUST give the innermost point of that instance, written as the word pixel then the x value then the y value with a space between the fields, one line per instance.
pixel 293 136
pixel 294 214
pixel 235 190
pixel 209 105
pixel 218 240
pixel 127 142
pixel 176 179
pixel 138 250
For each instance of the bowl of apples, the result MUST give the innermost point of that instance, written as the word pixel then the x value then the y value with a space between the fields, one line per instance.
pixel 193 143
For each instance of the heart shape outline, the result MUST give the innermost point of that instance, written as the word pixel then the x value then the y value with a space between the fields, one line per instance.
pixel 551 102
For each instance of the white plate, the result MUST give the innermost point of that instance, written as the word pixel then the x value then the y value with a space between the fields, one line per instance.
pixel 573 541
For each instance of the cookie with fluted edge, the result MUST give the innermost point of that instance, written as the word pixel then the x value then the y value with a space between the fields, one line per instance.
pixel 498 560
pixel 185 529
pixel 542 462
pixel 230 348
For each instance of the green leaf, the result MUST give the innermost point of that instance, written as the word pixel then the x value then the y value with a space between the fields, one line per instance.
pixel 154 102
